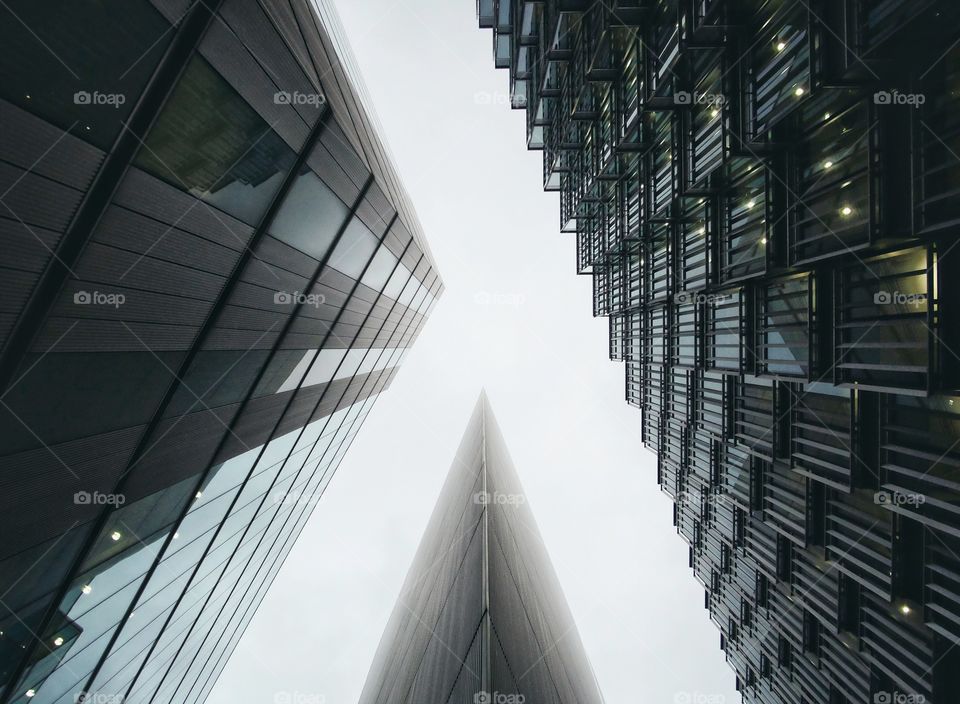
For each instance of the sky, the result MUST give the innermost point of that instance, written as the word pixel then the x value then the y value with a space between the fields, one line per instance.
pixel 516 320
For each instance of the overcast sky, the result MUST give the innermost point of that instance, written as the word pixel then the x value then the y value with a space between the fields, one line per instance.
pixel 516 320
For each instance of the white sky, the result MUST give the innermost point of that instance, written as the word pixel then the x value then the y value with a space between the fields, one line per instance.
pixel 541 356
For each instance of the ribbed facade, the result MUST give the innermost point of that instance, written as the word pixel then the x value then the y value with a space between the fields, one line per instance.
pixel 209 273
pixel 764 193
pixel 481 617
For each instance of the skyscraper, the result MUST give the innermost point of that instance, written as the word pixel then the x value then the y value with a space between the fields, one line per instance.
pixel 210 271
pixel 481 618
pixel 764 193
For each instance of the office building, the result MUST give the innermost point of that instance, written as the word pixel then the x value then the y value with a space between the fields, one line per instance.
pixel 210 272
pixel 481 618
pixel 765 194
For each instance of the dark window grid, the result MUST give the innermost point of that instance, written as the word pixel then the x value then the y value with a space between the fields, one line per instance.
pixel 779 70
pixel 836 203
pixel 192 627
pixel 203 474
pixel 822 437
pixel 785 342
pixel 885 318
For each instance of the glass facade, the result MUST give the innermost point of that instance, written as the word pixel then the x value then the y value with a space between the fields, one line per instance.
pixel 212 274
pixel 765 195
pixel 481 616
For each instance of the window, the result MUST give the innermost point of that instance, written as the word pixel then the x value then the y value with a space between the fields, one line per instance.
pixel 354 249
pixel 310 216
pixel 82 63
pixel 210 142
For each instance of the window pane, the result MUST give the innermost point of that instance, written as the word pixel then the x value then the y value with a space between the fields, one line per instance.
pixel 310 216
pixel 354 249
pixel 210 142
pixel 81 63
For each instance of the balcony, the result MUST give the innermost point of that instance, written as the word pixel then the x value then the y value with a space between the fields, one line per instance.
pixel 885 322
pixel 919 458
pixel 723 327
pixel 712 401
pixel 663 42
pixel 695 233
pixel 657 262
pixel 785 502
pixel 899 649
pixel 942 587
pixel 836 207
pixel 662 168
pixel 755 416
pixel 705 458
pixel 707 117
pixel 686 333
pixel 822 436
pixel 779 71
pixel 937 134
pixel 745 229
pixel 784 328
pixel 859 539
pixel 736 470
pixel 672 450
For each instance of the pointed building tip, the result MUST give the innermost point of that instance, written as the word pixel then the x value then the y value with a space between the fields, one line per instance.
pixel 482 406
pixel 483 399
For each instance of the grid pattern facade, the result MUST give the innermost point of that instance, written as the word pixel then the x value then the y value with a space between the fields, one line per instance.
pixel 481 617
pixel 765 195
pixel 210 272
